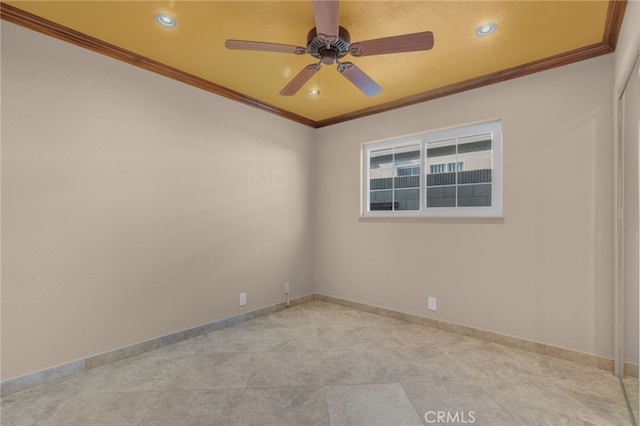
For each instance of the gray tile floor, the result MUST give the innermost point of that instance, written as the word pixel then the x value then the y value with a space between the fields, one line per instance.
pixel 323 364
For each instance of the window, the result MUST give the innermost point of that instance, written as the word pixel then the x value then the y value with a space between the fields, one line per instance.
pixel 442 168
pixel 449 173
pixel 437 168
pixel 399 190
pixel 408 171
pixel 454 167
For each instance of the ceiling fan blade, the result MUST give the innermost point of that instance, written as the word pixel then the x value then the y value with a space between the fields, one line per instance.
pixel 395 44
pixel 327 13
pixel 359 78
pixel 299 80
pixel 265 47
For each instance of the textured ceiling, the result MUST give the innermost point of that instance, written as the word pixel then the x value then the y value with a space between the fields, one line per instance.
pixel 530 36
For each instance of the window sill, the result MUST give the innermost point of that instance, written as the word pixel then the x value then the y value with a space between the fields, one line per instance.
pixel 496 220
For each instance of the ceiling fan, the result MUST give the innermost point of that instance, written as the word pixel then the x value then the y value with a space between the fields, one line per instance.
pixel 330 42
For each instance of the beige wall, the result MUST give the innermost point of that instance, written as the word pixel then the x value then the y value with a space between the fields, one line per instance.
pixel 627 50
pixel 134 206
pixel 545 272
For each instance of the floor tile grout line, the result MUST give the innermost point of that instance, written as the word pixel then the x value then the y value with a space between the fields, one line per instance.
pixel 628 403
pixel 413 404
pixel 502 407
pixel 326 404
pixel 146 414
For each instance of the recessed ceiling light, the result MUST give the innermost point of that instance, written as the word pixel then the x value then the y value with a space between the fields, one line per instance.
pixel 486 29
pixel 166 20
pixel 314 92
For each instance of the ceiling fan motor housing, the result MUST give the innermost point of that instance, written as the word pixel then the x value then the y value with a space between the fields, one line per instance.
pixel 328 50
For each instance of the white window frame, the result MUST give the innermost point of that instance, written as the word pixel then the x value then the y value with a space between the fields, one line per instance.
pixel 493 211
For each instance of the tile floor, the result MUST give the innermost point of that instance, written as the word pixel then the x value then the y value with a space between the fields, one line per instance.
pixel 631 385
pixel 323 364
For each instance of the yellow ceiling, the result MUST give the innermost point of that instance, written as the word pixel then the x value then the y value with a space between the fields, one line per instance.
pixel 527 31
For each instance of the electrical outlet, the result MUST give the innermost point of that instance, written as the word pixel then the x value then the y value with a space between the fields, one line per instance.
pixel 243 299
pixel 432 303
pixel 286 288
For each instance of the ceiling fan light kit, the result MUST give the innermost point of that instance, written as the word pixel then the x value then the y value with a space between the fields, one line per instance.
pixel 328 42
